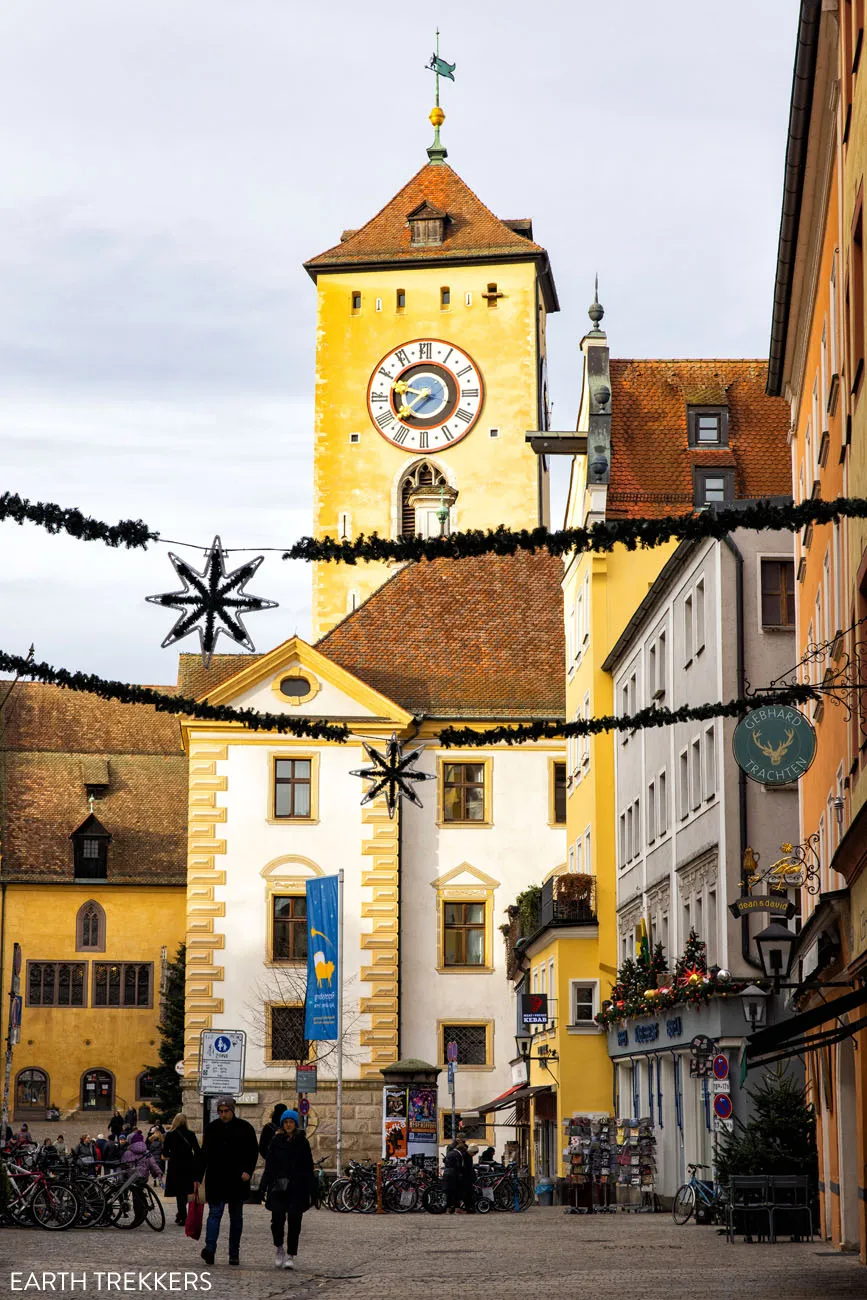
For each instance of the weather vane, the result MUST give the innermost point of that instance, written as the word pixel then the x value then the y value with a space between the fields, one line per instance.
pixel 437 152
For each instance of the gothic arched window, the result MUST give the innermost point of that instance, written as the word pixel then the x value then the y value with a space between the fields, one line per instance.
pixel 90 928
pixel 420 498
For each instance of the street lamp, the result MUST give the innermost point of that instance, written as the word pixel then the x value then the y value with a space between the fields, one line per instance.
pixel 754 1005
pixel 776 945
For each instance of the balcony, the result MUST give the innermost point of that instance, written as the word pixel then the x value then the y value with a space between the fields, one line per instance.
pixel 569 899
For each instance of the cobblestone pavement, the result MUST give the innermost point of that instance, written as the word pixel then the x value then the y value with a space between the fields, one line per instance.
pixel 355 1257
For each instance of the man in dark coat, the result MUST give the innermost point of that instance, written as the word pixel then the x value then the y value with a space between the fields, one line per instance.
pixel 115 1124
pixel 226 1163
pixel 453 1168
pixel 468 1191
pixel 287 1183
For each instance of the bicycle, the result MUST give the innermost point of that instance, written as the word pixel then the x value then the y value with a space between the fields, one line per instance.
pixel 37 1199
pixel 696 1190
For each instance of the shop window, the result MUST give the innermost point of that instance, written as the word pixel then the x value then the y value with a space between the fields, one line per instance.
pixel 97 1090
pixel 56 983
pixel 286 1040
pixel 90 928
pixel 464 934
pixel 122 984
pixel 778 594
pixel 472 1041
pixel 289 928
pixel 31 1091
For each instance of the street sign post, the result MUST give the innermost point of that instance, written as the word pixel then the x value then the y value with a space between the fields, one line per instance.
pixel 721 1067
pixel 221 1061
pixel 451 1051
pixel 722 1105
pixel 452 1057
pixel 305 1078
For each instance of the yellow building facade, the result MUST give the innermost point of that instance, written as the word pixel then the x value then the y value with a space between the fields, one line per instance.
pixel 430 369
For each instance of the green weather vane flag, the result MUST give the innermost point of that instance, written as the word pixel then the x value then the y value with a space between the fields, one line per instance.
pixel 440 68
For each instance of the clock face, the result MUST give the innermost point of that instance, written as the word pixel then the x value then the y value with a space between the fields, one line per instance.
pixel 425 395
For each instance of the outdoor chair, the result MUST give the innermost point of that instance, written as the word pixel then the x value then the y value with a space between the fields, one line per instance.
pixel 790 1201
pixel 748 1201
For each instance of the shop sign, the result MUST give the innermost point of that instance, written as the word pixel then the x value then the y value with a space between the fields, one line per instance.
pixel 777 905
pixel 534 1008
pixel 701 1054
pixel 623 1038
pixel 674 1027
pixel 647 1033
pixel 774 745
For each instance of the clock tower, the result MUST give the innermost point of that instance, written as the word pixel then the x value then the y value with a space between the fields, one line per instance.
pixel 430 369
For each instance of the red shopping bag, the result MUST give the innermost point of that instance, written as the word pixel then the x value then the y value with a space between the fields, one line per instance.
pixel 195 1214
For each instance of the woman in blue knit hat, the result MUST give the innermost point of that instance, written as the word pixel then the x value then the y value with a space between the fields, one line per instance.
pixel 287 1184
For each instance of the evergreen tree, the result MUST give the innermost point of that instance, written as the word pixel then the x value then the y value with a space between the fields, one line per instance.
pixel 694 957
pixel 780 1136
pixel 167 1083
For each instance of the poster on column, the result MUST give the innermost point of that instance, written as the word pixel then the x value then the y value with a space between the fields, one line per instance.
pixel 394 1122
pixel 320 1015
pixel 422 1122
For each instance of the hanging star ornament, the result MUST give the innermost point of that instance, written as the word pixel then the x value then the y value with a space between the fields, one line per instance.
pixel 390 772
pixel 212 601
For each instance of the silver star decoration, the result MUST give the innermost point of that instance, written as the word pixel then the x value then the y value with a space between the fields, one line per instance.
pixel 390 772
pixel 212 601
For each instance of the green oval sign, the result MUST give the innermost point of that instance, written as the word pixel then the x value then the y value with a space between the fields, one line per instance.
pixel 775 744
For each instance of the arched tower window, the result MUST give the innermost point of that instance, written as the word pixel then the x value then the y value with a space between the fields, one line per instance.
pixel 424 493
pixel 90 928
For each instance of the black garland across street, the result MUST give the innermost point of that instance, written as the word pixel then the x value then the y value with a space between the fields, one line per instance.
pixel 132 533
pixel 128 694
pixel 634 534
pixel 653 716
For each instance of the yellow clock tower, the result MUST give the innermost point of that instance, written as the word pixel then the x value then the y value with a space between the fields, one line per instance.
pixel 430 369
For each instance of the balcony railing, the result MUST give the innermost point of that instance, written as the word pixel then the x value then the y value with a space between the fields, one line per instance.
pixel 569 899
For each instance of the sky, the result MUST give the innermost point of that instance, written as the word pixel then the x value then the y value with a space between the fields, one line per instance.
pixel 167 167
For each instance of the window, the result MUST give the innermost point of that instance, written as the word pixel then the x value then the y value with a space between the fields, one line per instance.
pixel 713 486
pixel 90 850
pixel 292 782
pixel 356 301
pixel 472 1041
pixel 699 617
pixel 696 774
pixel 400 299
pixel 420 477
pixel 122 984
pixel 583 1002
pixel 97 1090
pixel 688 630
pixel 558 776
pixel 588 855
pixel 778 594
pixel 377 305
pixel 463 934
pixel 296 687
pixel 683 785
pixel 623 857
pixel 463 792
pixel 628 855
pixel 707 426
pixel 636 828
pixel 493 433
pixel 355 438
pixel 287 1041
pixel 709 763
pixel 56 983
pixel 661 804
pixel 651 812
pixel 445 296
pixel 31 1091
pixel 585 739
pixel 288 927
pixel 472 1128
pixel 651 670
pixel 145 1087
pixel 493 295
pixel 855 296
pixel 90 928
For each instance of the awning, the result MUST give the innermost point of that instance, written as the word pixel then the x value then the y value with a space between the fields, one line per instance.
pixel 510 1096
pixel 779 1042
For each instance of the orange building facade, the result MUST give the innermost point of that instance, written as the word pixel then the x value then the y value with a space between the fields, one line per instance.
pixel 817 363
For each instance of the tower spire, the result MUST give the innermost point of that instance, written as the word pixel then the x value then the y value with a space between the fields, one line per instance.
pixel 437 152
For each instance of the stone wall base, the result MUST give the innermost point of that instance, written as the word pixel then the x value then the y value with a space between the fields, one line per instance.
pixel 362 1116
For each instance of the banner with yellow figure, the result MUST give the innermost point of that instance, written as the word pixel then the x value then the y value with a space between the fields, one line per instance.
pixel 320 1015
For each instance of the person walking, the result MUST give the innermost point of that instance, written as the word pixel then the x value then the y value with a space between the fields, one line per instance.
pixel 115 1125
pixel 226 1163
pixel 130 1119
pixel 181 1150
pixel 272 1127
pixel 287 1184
pixel 468 1191
pixel 453 1168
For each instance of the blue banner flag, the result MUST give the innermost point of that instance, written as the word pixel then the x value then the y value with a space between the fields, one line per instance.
pixel 320 1017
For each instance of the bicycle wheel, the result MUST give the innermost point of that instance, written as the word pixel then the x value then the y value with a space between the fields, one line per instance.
pixel 127 1209
pixel 484 1205
pixel 684 1204
pixel 155 1216
pixel 91 1200
pixel 54 1207
pixel 399 1198
pixel 434 1200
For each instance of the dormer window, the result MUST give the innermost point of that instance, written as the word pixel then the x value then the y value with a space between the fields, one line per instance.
pixel 90 850
pixel 708 426
pixel 427 225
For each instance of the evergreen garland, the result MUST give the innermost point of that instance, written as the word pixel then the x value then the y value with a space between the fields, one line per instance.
pixel 128 694
pixel 639 990
pixel 132 533
pixel 167 1082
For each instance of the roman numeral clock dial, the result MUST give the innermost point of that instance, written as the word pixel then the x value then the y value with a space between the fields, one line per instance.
pixel 425 395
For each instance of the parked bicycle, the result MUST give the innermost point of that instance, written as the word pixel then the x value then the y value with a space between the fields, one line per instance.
pixel 698 1192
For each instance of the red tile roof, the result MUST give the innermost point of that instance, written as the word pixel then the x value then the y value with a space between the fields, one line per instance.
pixel 472 230
pixel 51 741
pixel 478 638
pixel 651 461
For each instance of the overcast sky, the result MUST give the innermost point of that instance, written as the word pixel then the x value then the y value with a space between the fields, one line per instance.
pixel 167 166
